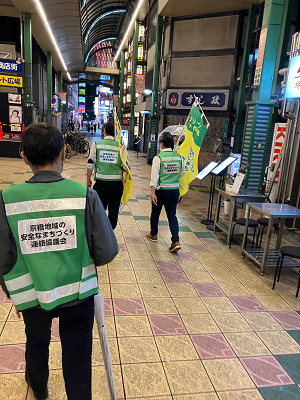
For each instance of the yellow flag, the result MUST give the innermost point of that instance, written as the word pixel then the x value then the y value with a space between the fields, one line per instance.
pixel 127 176
pixel 189 150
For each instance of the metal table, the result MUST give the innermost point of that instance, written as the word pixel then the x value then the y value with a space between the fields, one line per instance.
pixel 243 196
pixel 264 256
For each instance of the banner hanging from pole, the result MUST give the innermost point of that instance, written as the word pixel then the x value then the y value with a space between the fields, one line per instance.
pixel 127 175
pixel 195 131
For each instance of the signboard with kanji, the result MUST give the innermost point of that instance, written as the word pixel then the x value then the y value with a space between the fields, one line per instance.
pixel 292 90
pixel 208 99
pixel 260 56
pixel 9 80
pixel 11 66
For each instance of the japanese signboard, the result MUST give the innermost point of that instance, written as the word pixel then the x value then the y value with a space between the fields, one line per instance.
pixel 47 234
pixel 9 80
pixel 292 90
pixel 11 66
pixel 208 99
pixel 260 56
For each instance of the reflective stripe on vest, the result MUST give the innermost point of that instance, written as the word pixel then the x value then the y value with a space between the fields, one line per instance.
pixel 169 185
pixel 109 177
pixel 44 205
pixel 106 146
pixel 50 296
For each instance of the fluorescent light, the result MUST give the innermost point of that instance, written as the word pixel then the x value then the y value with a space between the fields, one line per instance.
pixel 129 27
pixel 147 92
pixel 119 11
pixel 100 41
pixel 69 77
pixel 44 18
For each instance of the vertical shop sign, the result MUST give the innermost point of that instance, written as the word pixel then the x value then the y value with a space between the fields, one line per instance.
pixel 260 56
pixel 140 82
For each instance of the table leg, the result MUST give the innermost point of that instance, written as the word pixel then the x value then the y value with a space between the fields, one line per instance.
pixel 280 233
pixel 246 228
pixel 231 220
pixel 217 210
pixel 267 245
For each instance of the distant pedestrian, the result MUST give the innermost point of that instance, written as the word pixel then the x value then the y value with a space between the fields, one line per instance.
pixel 167 168
pixel 105 159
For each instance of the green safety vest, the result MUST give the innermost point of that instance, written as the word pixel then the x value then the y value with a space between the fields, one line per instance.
pixel 53 264
pixel 108 164
pixel 170 168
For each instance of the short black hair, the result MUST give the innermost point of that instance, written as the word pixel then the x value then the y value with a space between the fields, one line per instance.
pixel 166 139
pixel 41 143
pixel 15 111
pixel 110 128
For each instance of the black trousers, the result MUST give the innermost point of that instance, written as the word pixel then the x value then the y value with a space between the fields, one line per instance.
pixel 169 199
pixel 110 193
pixel 75 329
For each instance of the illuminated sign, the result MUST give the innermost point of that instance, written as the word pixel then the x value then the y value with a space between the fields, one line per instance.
pixel 11 66
pixel 292 90
pixel 81 100
pixel 81 91
pixel 105 77
pixel 8 80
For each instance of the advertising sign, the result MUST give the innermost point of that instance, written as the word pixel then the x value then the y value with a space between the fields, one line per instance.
pixel 15 114
pixel 140 82
pixel 10 80
pixel 14 98
pixel 11 66
pixel 208 99
pixel 292 90
pixel 278 141
pixel 260 57
pixel 15 127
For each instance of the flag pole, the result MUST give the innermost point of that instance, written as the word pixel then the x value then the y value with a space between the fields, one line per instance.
pixel 99 315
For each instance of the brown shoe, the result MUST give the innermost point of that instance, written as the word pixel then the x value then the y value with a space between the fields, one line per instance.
pixel 174 247
pixel 153 238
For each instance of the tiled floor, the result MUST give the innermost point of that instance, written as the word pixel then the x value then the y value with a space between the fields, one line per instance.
pixel 199 325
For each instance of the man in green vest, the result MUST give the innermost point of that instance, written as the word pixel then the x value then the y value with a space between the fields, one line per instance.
pixel 53 232
pixel 106 162
pixel 167 168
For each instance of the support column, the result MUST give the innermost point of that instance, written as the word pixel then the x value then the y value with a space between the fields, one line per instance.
pixel 59 89
pixel 65 115
pixel 260 109
pixel 152 149
pixel 120 110
pixel 133 72
pixel 239 120
pixel 49 87
pixel 28 91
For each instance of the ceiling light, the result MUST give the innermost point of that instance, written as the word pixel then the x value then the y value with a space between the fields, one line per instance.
pixel 100 41
pixel 147 92
pixel 118 11
pixel 44 18
pixel 129 27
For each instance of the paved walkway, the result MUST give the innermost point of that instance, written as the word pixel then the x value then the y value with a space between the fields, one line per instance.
pixel 199 325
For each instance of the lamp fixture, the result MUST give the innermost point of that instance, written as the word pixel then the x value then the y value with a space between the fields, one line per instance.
pixel 129 27
pixel 44 18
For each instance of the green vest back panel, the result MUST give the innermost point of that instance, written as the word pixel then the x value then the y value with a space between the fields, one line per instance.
pixel 108 163
pixel 170 168
pixel 53 264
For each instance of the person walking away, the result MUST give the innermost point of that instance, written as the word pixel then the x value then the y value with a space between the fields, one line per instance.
pixel 167 168
pixel 88 127
pixel 106 161
pixel 53 232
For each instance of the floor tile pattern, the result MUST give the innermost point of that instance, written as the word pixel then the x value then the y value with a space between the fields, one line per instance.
pixel 202 324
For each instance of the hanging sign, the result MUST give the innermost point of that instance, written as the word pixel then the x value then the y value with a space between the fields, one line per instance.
pixel 208 99
pixel 292 90
pixel 11 66
pixel 14 98
pixel 140 82
pixel 260 56
pixel 9 80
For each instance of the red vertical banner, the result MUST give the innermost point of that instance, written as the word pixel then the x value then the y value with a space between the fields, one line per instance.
pixel 140 82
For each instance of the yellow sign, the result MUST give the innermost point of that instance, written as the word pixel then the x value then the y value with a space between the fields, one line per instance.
pixel 10 80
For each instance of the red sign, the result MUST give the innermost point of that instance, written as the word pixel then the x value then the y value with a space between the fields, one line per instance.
pixel 140 82
pixel 125 120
